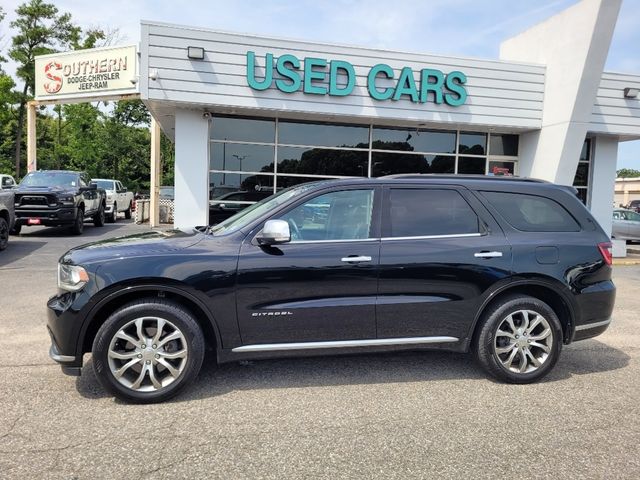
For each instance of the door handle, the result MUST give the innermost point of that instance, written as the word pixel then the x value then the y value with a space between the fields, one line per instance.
pixel 356 259
pixel 487 254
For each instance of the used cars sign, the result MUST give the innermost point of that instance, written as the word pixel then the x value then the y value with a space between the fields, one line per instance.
pixel 321 77
pixel 86 73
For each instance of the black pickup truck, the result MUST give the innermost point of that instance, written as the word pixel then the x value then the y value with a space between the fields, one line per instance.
pixel 58 198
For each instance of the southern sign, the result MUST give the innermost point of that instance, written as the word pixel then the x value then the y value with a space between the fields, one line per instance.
pixel 95 72
pixel 338 78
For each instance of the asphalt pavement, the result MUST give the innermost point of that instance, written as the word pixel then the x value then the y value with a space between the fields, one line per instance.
pixel 407 415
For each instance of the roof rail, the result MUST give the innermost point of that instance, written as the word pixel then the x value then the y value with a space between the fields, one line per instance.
pixel 418 176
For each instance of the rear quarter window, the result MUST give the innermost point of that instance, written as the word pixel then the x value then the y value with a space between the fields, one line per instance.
pixel 532 213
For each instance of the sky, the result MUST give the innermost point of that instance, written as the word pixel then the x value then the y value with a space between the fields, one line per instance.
pixel 470 28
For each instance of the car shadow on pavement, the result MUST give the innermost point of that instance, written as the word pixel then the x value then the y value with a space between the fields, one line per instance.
pixel 16 251
pixel 588 357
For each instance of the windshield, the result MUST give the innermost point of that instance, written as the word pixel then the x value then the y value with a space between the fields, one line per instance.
pixel 257 210
pixel 50 179
pixel 106 184
pixel 633 216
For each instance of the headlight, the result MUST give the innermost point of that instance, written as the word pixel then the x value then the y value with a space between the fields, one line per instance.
pixel 72 277
pixel 68 200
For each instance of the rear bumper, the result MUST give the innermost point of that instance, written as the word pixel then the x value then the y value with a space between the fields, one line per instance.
pixel 596 304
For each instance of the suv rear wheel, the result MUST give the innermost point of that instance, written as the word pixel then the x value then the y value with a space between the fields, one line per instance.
pixel 520 340
pixel 147 351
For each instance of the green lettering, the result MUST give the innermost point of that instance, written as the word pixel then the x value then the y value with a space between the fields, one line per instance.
pixel 251 74
pixel 454 83
pixel 310 74
pixel 376 94
pixel 406 85
pixel 427 86
pixel 348 69
pixel 290 73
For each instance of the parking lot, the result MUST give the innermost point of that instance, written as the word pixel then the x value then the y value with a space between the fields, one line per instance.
pixel 409 415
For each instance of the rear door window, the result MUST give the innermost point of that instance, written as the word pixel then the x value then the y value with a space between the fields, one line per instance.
pixel 532 213
pixel 415 212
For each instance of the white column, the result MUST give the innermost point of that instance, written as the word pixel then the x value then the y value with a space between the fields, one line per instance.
pixel 603 174
pixel 156 174
pixel 573 45
pixel 32 162
pixel 191 169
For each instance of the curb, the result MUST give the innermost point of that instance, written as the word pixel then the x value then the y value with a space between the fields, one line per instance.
pixel 626 261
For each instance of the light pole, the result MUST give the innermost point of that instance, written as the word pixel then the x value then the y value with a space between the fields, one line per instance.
pixel 240 158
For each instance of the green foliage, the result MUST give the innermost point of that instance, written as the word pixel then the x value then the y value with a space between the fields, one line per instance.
pixel 105 140
pixel 40 30
pixel 628 173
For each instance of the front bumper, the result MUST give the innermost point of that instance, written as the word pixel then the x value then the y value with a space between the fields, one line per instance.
pixel 67 362
pixel 64 323
pixel 47 217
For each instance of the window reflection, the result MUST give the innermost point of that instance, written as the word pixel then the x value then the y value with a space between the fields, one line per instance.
pixel 428 141
pixel 285 181
pixel 502 168
pixel 472 143
pixel 472 165
pixel 582 175
pixel 323 135
pixel 243 130
pixel 506 145
pixel 241 157
pixel 319 161
pixel 224 183
pixel 386 163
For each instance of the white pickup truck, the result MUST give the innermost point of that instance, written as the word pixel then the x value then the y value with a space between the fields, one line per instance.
pixel 119 199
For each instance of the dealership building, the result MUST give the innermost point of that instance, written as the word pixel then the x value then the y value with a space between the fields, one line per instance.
pixel 257 114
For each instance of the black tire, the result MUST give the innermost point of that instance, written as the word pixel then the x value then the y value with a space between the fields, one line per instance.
pixel 16 229
pixel 488 341
pixel 113 216
pixel 99 218
pixel 127 212
pixel 176 316
pixel 4 234
pixel 78 224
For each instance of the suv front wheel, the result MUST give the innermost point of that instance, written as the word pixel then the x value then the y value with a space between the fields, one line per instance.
pixel 147 351
pixel 519 340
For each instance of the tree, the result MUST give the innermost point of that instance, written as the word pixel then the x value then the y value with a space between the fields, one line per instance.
pixel 40 30
pixel 628 173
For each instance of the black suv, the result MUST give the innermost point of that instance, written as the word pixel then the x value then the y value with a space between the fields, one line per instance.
pixel 510 269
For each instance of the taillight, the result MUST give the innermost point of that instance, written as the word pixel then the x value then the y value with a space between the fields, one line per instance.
pixel 605 251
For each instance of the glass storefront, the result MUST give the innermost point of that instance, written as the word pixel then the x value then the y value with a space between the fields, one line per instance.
pixel 267 155
pixel 582 178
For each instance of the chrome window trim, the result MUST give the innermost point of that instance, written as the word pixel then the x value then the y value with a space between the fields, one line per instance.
pixel 434 237
pixel 336 240
pixel 589 326
pixel 274 347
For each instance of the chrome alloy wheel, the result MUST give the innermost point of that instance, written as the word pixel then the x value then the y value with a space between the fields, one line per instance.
pixel 523 341
pixel 147 354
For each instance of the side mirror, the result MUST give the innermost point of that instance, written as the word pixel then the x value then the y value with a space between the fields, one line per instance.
pixel 93 185
pixel 273 232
